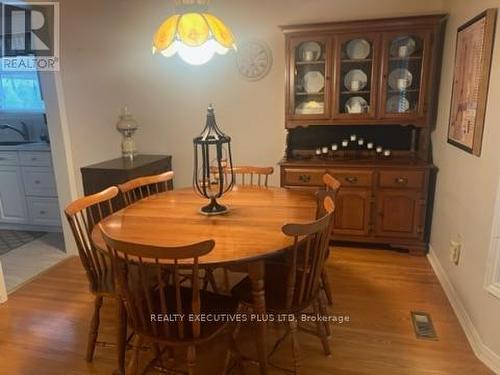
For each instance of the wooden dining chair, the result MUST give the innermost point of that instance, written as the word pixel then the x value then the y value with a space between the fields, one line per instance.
pixel 332 185
pixel 83 214
pixel 143 187
pixel 294 286
pixel 150 296
pixel 252 176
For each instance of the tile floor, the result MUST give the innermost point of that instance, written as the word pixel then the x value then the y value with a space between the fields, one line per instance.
pixel 22 264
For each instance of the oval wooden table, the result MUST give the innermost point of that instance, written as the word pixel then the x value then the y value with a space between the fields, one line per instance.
pixel 248 234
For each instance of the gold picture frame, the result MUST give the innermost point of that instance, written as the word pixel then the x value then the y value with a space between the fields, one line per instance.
pixel 474 49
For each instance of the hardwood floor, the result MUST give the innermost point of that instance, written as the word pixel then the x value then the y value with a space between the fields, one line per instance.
pixel 43 326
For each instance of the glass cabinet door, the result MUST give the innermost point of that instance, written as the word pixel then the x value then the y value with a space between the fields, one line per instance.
pixel 356 82
pixel 310 78
pixel 403 81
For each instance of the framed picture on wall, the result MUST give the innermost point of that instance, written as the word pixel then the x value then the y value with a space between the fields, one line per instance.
pixel 474 49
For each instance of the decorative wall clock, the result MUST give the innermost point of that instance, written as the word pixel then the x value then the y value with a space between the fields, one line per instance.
pixel 254 59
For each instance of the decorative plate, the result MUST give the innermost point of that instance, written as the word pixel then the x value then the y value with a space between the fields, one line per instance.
pixel 355 75
pixel 314 82
pixel 397 104
pixel 254 59
pixel 407 41
pixel 358 49
pixel 313 47
pixel 356 104
pixel 400 74
pixel 310 107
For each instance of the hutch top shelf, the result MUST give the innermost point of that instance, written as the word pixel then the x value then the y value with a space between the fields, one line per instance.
pixel 368 72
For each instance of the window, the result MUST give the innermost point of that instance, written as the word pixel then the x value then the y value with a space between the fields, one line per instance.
pixel 493 265
pixel 20 92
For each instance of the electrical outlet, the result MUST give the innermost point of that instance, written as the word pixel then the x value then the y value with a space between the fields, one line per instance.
pixel 455 250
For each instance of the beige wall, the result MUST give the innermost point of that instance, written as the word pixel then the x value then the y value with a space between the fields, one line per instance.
pixel 466 187
pixel 107 62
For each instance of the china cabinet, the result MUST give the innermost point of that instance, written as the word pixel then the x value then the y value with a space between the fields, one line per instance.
pixel 386 73
pixel 361 100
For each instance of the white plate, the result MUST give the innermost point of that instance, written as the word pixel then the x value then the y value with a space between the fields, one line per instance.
pixel 310 107
pixel 407 41
pixel 313 47
pixel 358 49
pixel 355 75
pixel 355 102
pixel 397 74
pixel 314 82
pixel 397 104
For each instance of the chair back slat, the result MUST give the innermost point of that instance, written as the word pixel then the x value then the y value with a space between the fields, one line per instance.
pixel 252 176
pixel 311 242
pixel 142 187
pixel 331 183
pixel 153 267
pixel 83 214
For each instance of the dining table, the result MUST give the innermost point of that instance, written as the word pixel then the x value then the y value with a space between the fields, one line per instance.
pixel 245 236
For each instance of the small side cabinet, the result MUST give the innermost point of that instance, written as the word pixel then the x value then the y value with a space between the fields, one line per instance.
pixel 98 177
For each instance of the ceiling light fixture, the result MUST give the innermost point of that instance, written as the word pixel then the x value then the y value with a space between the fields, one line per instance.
pixel 193 33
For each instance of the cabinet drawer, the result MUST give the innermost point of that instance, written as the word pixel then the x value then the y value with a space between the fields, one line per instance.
pixel 35 159
pixel 402 179
pixel 44 211
pixel 39 182
pixel 8 158
pixel 304 177
pixel 353 177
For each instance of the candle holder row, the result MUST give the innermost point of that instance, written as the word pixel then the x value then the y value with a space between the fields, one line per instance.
pixel 345 149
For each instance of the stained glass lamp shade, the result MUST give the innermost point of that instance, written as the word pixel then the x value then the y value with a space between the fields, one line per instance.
pixel 195 35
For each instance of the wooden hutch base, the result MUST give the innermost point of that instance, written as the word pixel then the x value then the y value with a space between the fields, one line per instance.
pixel 380 201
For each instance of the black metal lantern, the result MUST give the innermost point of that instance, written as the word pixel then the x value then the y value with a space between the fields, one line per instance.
pixel 213 166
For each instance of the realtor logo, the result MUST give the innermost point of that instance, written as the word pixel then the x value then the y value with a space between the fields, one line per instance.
pixel 30 36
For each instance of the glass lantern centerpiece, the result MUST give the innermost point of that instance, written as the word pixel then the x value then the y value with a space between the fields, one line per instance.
pixel 213 167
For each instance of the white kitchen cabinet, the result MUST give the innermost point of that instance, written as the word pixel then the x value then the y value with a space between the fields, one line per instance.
pixel 13 209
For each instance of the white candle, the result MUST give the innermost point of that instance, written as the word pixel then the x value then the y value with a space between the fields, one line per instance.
pixel 379 149
pixel 361 141
pixel 318 151
pixel 353 137
pixel 387 152
pixel 369 145
pixel 335 147
pixel 324 150
pixel 345 143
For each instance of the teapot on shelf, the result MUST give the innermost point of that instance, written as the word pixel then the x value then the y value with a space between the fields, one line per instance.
pixel 356 107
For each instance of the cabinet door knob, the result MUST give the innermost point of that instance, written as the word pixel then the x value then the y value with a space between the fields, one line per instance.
pixel 42 212
pixel 351 179
pixel 304 178
pixel 37 182
pixel 401 180
pixel 34 158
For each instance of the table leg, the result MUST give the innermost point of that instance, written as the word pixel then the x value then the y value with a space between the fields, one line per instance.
pixel 256 274
pixel 121 335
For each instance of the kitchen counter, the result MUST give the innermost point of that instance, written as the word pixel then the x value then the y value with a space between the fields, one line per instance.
pixel 37 146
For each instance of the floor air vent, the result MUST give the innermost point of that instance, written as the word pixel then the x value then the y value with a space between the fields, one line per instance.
pixel 422 323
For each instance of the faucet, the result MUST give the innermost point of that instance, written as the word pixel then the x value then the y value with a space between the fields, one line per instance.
pixel 24 133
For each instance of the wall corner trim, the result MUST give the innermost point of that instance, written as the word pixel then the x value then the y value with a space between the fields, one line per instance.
pixel 485 354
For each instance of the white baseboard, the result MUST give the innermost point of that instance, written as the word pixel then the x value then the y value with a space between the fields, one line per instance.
pixel 485 354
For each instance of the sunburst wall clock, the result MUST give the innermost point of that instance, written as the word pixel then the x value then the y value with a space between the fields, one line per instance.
pixel 254 59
